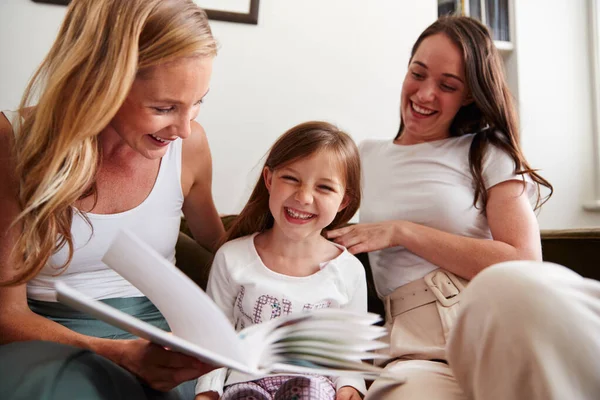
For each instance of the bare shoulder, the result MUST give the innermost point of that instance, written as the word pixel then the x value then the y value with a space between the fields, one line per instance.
pixel 197 143
pixel 196 158
pixel 7 142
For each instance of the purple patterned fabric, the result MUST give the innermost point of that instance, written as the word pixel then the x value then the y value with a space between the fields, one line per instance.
pixel 282 388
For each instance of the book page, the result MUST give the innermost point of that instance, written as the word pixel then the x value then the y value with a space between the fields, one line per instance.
pixel 329 341
pixel 110 315
pixel 190 313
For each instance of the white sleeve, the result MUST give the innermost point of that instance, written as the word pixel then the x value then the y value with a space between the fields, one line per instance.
pixel 499 167
pixel 356 289
pixel 213 381
pixel 223 293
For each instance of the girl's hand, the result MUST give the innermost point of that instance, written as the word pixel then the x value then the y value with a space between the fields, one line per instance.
pixel 160 368
pixel 347 393
pixel 362 238
pixel 207 396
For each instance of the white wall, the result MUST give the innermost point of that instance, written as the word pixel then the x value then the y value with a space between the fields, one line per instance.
pixel 337 60
pixel 555 105
pixel 343 61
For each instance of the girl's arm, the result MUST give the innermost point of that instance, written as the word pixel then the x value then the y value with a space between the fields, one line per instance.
pixel 512 223
pixel 347 393
pixel 356 289
pixel 198 206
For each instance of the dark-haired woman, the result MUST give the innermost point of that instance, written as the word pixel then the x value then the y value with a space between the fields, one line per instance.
pixel 458 207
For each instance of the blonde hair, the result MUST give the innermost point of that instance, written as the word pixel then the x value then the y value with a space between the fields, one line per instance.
pixel 101 47
pixel 297 143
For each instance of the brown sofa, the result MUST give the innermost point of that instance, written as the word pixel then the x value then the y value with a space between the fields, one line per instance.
pixel 577 249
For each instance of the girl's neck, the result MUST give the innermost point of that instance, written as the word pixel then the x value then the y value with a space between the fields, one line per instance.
pixel 278 243
pixel 292 257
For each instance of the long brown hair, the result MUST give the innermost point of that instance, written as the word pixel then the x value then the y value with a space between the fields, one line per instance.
pixel 297 143
pixel 492 116
pixel 101 47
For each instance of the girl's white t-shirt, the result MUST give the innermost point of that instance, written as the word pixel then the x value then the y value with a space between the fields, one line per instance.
pixel 249 293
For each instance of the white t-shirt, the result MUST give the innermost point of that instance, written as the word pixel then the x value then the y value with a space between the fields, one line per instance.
pixel 429 184
pixel 250 293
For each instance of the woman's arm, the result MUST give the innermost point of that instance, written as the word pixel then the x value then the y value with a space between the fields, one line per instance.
pixel 162 369
pixel 198 207
pixel 511 219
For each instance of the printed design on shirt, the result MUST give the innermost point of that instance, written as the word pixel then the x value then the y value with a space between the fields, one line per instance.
pixel 238 302
pixel 317 306
pixel 267 307
pixel 278 308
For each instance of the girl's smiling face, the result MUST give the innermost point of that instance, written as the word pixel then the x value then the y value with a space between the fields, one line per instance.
pixel 433 91
pixel 306 195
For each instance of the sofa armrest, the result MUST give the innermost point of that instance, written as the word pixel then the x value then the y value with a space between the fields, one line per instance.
pixel 577 249
pixel 192 258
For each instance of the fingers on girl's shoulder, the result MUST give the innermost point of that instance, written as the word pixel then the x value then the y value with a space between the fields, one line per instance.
pixel 332 234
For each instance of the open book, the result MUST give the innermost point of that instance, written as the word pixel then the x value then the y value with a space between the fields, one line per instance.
pixel 329 342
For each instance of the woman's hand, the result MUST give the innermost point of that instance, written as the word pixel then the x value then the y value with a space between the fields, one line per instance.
pixel 160 368
pixel 362 238
pixel 347 393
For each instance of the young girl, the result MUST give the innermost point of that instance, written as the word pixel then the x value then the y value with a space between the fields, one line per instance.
pixel 276 262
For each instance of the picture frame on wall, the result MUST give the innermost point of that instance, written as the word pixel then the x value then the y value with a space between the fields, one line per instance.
pixel 240 11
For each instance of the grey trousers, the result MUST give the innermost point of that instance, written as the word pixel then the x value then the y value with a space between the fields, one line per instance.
pixel 47 370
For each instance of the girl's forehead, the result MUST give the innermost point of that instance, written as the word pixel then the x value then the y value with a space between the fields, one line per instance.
pixel 326 163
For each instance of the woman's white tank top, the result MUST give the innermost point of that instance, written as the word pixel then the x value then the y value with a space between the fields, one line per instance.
pixel 156 221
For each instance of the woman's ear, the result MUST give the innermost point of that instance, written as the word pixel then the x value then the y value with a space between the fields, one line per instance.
pixel 268 177
pixel 468 99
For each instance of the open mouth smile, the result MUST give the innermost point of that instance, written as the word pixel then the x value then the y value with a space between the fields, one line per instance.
pixel 421 110
pixel 159 140
pixel 298 215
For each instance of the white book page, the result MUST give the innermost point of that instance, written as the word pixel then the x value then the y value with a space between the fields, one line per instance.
pixel 191 314
pixel 108 314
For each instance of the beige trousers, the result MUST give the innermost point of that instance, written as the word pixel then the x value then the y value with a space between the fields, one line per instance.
pixel 525 330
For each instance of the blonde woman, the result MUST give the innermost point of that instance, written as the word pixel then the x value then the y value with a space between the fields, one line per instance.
pixel 110 143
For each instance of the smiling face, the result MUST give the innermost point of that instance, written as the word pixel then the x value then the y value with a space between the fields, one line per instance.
pixel 433 91
pixel 161 104
pixel 305 195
